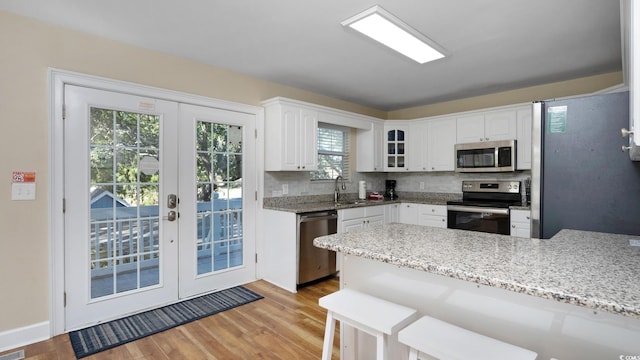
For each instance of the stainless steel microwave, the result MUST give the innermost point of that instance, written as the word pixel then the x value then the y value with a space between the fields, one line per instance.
pixel 486 156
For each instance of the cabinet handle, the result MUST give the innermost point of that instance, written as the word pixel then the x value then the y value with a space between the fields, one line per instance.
pixel 443 220
pixel 433 210
pixel 486 139
pixel 298 167
pixel 513 226
pixel 527 218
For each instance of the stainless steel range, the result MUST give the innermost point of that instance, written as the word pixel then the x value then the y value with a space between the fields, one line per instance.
pixel 484 206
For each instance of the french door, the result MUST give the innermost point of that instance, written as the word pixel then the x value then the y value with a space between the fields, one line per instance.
pixel 154 205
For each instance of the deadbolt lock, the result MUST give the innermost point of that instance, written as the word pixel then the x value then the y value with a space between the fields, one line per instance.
pixel 172 201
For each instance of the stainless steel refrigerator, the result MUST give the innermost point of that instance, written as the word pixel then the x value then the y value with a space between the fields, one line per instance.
pixel 580 178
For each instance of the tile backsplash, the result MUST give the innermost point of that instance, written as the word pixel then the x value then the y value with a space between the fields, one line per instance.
pixel 299 183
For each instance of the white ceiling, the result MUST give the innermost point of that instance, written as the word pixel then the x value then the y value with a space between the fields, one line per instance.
pixel 494 45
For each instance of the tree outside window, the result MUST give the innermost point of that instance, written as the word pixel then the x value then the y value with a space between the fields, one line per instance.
pixel 333 153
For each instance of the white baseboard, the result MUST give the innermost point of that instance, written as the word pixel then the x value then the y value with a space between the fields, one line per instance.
pixel 15 338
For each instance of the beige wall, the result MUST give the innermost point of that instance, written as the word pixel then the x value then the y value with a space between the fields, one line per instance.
pixel 29 48
pixel 541 92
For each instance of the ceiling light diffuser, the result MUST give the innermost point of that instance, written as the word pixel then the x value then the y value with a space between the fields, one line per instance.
pixel 382 26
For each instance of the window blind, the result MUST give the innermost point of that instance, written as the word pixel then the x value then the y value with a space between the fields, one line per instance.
pixel 333 152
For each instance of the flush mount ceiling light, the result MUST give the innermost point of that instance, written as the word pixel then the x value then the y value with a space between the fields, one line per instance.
pixel 382 26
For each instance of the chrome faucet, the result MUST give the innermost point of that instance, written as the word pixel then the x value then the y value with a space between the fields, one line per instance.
pixel 336 192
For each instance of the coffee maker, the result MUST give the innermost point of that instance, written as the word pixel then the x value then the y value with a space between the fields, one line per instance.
pixel 390 192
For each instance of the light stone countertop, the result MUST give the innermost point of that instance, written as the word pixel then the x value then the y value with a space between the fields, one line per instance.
pixel 303 204
pixel 595 270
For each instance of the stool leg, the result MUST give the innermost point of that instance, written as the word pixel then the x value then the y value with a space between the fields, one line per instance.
pixel 413 354
pixel 381 346
pixel 329 330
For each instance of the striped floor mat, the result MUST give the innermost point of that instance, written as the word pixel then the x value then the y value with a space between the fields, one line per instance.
pixel 108 335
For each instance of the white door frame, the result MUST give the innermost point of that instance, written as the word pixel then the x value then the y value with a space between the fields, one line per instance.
pixel 57 80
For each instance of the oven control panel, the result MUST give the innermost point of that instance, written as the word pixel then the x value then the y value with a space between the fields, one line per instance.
pixel 491 186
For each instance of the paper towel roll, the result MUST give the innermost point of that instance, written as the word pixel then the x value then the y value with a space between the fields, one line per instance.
pixel 362 189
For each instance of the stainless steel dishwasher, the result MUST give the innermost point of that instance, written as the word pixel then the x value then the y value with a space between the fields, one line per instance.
pixel 315 263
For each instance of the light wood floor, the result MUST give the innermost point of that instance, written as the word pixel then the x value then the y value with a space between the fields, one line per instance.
pixel 280 326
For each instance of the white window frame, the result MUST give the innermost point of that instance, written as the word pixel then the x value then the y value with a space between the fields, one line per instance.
pixel 345 153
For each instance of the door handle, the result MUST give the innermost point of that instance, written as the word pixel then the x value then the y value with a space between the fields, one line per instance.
pixel 172 201
pixel 171 216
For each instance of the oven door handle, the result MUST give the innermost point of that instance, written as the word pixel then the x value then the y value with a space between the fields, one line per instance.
pixel 478 209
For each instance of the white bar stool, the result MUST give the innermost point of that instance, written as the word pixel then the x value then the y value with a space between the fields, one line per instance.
pixel 372 315
pixel 448 342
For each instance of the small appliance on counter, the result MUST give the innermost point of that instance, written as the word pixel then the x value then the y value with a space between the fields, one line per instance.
pixel 390 192
pixel 362 190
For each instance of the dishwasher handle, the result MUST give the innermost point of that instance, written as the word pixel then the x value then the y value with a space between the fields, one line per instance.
pixel 318 217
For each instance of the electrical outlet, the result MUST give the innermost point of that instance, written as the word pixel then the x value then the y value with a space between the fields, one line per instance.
pixel 421 185
pixel 285 189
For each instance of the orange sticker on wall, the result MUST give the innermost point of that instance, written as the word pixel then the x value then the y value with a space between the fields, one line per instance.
pixel 23 177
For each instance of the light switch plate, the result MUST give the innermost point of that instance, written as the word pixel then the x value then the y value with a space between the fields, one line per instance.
pixel 23 191
pixel 634 242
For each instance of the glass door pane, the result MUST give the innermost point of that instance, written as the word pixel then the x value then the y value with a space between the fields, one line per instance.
pixel 219 196
pixel 124 186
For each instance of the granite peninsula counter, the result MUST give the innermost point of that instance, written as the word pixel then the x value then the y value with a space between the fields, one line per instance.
pixel 576 295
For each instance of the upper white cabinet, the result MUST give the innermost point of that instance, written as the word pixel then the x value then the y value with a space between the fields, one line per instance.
pixel 418 146
pixel 523 151
pixel 488 126
pixel 396 147
pixel 441 139
pixel 290 137
pixel 291 133
pixel 370 145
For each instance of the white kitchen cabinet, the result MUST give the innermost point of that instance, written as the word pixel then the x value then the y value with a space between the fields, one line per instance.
pixel 408 214
pixel 432 215
pixel 369 148
pixel 395 148
pixel 441 139
pixel 360 218
pixel 520 223
pixel 290 137
pixel 279 259
pixel 487 126
pixel 418 158
pixel 523 138
pixel 392 213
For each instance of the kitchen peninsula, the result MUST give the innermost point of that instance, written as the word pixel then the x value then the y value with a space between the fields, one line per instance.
pixel 575 296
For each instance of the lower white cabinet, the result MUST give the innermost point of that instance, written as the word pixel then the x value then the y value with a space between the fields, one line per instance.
pixel 392 213
pixel 521 223
pixel 432 215
pixel 360 218
pixel 408 214
pixel 423 214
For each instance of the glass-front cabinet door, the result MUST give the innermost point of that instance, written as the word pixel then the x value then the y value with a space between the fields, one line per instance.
pixel 395 158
